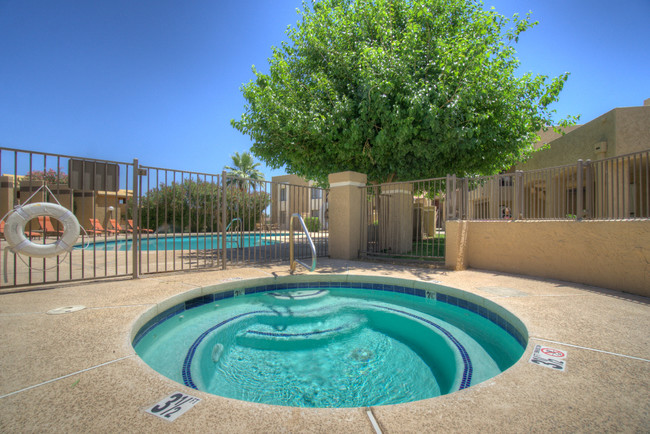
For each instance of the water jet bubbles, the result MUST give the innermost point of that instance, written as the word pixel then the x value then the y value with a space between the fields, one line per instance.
pixel 361 355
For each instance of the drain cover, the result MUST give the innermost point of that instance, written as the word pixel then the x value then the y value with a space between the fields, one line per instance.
pixel 66 309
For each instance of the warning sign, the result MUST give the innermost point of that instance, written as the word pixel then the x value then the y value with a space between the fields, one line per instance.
pixel 549 357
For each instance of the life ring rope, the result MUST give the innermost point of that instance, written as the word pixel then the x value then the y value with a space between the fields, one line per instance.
pixel 17 219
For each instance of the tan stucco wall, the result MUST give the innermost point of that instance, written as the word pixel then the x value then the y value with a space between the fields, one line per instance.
pixel 625 130
pixel 609 254
pixel 632 129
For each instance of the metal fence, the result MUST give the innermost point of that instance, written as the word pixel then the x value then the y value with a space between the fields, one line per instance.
pixel 96 191
pixel 138 219
pixel 407 219
pixel 610 189
pixel 199 220
pixel 404 220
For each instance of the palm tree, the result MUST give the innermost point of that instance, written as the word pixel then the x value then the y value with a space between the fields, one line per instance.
pixel 244 167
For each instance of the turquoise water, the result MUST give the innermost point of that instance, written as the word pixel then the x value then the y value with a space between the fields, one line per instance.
pixel 328 347
pixel 187 242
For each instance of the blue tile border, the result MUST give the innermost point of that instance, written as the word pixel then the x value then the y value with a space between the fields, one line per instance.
pixel 185 372
pixel 441 297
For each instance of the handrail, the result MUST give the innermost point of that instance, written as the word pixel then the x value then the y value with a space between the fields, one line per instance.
pixel 241 229
pixel 232 221
pixel 292 260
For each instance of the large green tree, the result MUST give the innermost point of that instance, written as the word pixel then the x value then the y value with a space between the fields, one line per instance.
pixel 399 90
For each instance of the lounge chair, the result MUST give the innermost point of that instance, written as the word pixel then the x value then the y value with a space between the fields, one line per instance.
pixel 118 228
pixel 28 234
pixel 130 225
pixel 97 228
pixel 48 227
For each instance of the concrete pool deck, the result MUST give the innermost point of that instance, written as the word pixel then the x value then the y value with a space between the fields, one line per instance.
pixel 77 372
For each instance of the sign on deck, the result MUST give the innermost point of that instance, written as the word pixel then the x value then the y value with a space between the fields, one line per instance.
pixel 549 357
pixel 172 406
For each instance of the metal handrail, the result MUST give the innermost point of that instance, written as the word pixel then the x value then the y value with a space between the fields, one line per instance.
pixel 232 221
pixel 292 260
pixel 241 229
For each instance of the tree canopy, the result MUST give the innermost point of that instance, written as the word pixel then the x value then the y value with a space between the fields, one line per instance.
pixel 399 90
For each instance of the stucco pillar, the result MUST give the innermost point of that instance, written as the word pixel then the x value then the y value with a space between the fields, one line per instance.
pixel 345 214
pixel 456 251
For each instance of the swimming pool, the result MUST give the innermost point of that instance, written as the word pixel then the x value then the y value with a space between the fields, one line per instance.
pixel 187 242
pixel 334 341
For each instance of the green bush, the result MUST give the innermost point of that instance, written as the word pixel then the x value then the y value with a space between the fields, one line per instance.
pixel 313 224
pixel 195 206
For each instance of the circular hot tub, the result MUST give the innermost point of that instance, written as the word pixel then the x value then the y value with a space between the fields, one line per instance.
pixel 334 341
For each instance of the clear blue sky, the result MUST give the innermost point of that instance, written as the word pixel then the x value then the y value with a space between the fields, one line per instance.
pixel 159 80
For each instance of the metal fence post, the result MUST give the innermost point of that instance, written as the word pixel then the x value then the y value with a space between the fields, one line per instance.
pixel 589 187
pixel 452 197
pixel 224 217
pixel 519 195
pixel 464 214
pixel 579 197
pixel 448 198
pixel 136 219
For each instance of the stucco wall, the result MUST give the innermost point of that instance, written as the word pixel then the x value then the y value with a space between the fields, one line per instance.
pixel 625 130
pixel 609 254
pixel 632 129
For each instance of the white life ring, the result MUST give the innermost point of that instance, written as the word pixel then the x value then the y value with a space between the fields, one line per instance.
pixel 15 230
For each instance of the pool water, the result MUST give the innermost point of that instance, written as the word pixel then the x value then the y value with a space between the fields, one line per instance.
pixel 328 347
pixel 186 242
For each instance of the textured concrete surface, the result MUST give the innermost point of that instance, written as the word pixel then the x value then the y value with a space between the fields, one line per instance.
pixel 77 372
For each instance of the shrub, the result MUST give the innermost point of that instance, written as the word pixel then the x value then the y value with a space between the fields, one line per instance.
pixel 313 224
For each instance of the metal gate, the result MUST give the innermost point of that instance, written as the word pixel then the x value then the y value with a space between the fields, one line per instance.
pixel 404 220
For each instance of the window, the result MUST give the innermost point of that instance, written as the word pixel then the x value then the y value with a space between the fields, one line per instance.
pixel 283 194
pixel 316 193
pixel 315 213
